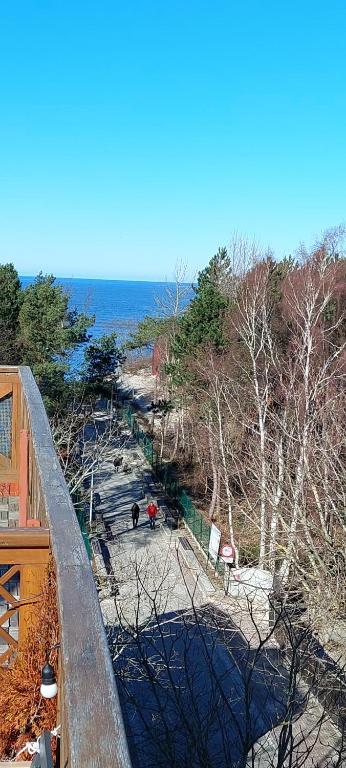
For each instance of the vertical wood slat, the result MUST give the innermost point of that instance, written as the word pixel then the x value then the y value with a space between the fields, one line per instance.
pixel 15 427
pixel 36 504
pixel 31 582
pixel 23 477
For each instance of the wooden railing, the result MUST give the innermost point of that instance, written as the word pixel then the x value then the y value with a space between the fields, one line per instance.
pixel 92 730
pixel 25 553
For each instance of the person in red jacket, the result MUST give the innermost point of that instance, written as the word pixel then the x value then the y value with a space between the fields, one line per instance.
pixel 152 512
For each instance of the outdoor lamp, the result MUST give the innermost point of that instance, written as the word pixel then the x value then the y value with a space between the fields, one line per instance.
pixel 49 688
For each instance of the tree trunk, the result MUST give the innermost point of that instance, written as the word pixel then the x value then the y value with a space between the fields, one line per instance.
pixel 212 505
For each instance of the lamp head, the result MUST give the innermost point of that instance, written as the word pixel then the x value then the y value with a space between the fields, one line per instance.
pixel 49 688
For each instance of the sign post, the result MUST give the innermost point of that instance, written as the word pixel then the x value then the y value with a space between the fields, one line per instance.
pixel 228 555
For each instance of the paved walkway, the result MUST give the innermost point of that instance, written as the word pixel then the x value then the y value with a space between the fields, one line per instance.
pixel 160 552
pixel 162 596
pixel 142 555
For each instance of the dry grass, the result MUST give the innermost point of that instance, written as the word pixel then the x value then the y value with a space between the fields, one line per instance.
pixel 23 712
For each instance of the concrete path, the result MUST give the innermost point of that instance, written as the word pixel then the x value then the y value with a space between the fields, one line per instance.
pixel 172 630
pixel 151 557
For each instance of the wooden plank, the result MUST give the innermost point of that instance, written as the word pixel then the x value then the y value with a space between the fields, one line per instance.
pixel 13 556
pixel 8 475
pixel 24 537
pixel 5 389
pixel 31 584
pixel 8 614
pixel 5 462
pixel 9 640
pixel 7 596
pixel 23 476
pixel 9 374
pixel 9 574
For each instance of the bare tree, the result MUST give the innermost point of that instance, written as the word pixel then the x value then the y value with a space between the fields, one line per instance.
pixel 171 303
pixel 82 440
pixel 198 691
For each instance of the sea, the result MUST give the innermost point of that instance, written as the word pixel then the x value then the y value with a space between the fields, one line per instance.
pixel 118 305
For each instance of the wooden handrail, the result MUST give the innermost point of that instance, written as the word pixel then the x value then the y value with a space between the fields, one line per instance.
pixel 33 538
pixel 93 733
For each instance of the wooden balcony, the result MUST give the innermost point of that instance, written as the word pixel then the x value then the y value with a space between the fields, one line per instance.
pixel 41 520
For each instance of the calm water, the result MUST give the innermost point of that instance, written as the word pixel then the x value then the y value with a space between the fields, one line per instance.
pixel 118 305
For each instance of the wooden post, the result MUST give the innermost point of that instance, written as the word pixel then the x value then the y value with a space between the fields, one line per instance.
pixel 23 477
pixel 31 584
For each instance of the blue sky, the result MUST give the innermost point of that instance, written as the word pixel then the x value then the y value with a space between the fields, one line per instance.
pixel 136 134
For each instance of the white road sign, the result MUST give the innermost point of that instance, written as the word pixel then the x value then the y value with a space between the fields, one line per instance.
pixel 214 541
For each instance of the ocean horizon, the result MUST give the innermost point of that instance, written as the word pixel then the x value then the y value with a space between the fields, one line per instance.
pixel 118 305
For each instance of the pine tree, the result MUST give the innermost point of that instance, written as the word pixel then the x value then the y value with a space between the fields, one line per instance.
pixel 102 359
pixel 48 333
pixel 202 322
pixel 10 293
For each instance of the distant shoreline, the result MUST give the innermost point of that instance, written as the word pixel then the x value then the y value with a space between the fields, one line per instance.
pixel 104 280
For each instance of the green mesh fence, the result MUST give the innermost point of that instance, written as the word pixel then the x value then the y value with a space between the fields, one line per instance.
pixel 80 513
pixel 195 521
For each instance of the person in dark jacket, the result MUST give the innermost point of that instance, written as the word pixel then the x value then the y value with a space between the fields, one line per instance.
pixel 96 499
pixel 135 514
pixel 117 463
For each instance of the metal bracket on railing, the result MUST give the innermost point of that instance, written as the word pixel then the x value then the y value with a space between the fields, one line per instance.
pixel 44 759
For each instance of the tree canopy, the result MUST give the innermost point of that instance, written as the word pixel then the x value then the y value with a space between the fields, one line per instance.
pixel 202 323
pixel 39 329
pixel 49 332
pixel 10 292
pixel 148 331
pixel 102 359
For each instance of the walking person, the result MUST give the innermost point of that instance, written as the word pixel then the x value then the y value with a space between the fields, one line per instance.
pixel 135 514
pixel 152 512
pixel 117 463
pixel 96 499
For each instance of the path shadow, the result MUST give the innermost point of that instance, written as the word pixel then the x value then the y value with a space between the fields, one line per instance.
pixel 194 693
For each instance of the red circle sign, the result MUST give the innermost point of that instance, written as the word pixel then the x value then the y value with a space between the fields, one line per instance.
pixel 227 552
